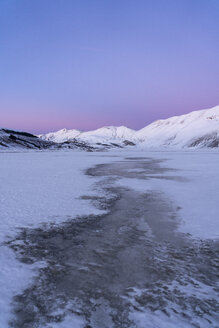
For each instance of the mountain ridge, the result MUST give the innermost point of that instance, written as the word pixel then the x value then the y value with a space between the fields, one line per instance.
pixel 195 129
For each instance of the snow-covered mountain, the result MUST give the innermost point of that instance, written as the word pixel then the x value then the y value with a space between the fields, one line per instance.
pixel 196 129
pixel 108 134
pixel 16 139
pixel 105 135
pixel 10 139
pixel 61 135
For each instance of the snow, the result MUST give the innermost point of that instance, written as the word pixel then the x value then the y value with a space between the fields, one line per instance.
pixel 158 318
pixel 61 135
pixel 182 131
pixel 192 187
pixel 38 187
pixel 104 134
pixel 108 133
pixel 69 321
pixel 43 187
pixel 35 188
pixel 197 129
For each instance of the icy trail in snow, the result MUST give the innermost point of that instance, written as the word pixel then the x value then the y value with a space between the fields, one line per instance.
pixel 129 267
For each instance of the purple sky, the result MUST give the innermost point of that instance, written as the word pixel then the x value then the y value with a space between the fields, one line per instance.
pixel 84 64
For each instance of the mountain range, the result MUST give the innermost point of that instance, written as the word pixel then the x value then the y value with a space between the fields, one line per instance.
pixel 198 129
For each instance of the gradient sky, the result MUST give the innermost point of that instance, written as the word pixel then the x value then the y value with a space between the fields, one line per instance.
pixel 88 63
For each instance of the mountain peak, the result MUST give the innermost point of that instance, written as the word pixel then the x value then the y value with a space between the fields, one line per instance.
pixel 195 129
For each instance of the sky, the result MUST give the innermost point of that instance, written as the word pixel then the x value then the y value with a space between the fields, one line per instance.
pixel 89 63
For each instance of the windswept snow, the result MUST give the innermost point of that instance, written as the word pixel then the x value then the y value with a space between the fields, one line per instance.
pixel 43 188
pixel 198 129
pixel 192 185
pixel 37 188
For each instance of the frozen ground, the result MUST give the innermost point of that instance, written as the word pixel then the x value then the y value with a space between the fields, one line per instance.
pixel 195 191
pixel 37 188
pixel 47 202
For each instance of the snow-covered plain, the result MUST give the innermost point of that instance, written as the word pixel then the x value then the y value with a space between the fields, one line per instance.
pixel 193 186
pixel 45 187
pixel 35 188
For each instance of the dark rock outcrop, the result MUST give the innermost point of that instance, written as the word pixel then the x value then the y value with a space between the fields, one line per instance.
pixel 10 139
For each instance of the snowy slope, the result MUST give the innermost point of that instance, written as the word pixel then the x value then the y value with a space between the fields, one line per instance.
pixel 108 134
pixel 196 129
pixel 61 135
pixel 17 139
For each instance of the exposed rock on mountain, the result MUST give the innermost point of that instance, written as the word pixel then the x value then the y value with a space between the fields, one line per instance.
pixel 16 139
pixel 198 129
pixel 10 139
